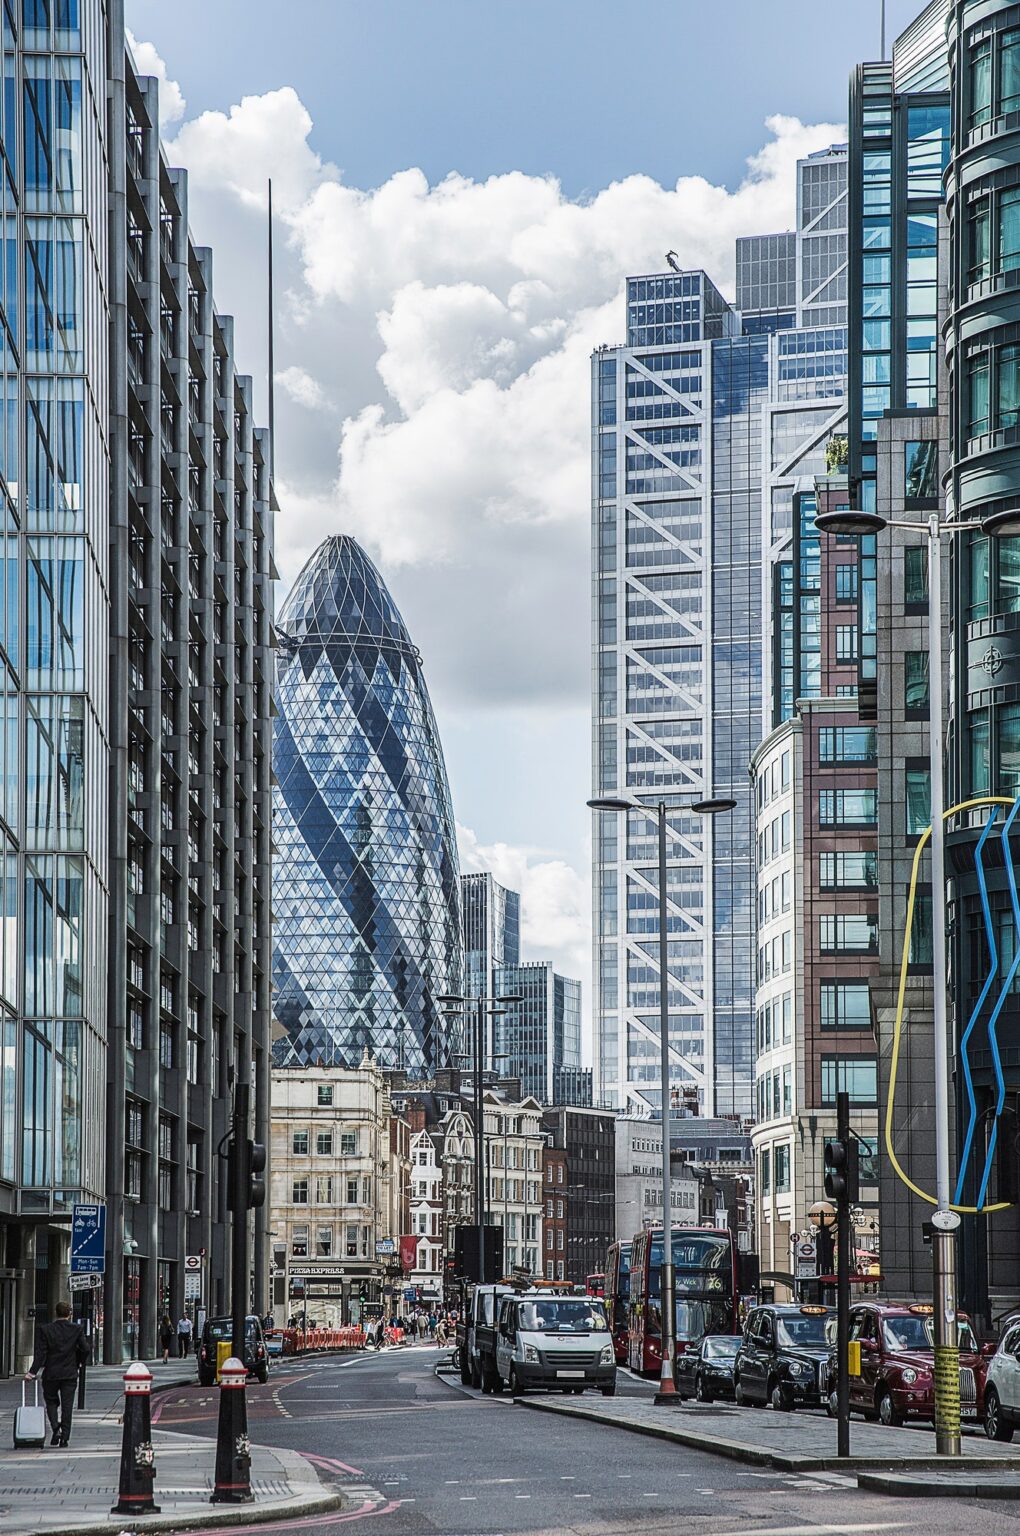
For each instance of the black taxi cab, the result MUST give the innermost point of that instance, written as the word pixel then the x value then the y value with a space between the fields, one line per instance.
pixel 784 1356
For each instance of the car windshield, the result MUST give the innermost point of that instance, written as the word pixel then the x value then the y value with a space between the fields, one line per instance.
pixel 798 1331
pixel 696 1318
pixel 556 1316
pixel 720 1349
pixel 917 1333
pixel 223 1328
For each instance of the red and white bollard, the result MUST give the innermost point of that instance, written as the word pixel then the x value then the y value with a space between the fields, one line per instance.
pixel 137 1460
pixel 233 1448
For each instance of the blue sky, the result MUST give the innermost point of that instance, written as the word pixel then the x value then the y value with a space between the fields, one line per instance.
pixel 461 187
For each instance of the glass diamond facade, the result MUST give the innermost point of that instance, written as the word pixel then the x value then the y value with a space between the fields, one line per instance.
pixel 365 881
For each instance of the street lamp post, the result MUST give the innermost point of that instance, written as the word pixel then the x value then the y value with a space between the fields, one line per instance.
pixel 945 1220
pixel 701 807
pixel 454 1003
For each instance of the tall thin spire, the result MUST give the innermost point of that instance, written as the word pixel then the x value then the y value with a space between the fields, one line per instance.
pixel 883 31
pixel 272 380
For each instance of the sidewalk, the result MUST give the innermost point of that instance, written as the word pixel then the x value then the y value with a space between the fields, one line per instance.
pixel 790 1442
pixel 70 1492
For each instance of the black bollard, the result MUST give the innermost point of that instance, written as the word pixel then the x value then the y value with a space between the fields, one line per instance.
pixel 137 1462
pixel 233 1448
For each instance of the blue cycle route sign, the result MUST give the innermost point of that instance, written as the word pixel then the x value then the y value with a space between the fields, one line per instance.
pixel 88 1240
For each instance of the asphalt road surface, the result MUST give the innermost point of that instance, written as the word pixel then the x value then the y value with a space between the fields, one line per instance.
pixel 419 1455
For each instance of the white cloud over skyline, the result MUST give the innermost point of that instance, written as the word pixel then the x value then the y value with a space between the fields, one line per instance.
pixel 433 396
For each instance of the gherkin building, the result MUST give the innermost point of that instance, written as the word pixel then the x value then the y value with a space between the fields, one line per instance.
pixel 365 879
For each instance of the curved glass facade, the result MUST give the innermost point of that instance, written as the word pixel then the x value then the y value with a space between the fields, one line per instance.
pixel 365 879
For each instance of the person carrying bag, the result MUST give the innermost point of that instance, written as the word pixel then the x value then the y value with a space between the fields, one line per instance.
pixel 60 1350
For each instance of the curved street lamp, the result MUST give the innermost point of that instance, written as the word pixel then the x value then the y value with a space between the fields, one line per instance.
pixel 711 805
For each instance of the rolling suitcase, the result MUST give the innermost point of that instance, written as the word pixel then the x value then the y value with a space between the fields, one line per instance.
pixel 30 1421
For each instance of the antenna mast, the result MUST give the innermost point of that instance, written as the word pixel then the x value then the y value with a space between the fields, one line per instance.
pixel 272 381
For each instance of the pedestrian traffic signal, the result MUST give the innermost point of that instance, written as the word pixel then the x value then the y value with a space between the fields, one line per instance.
pixel 255 1183
pixel 841 1171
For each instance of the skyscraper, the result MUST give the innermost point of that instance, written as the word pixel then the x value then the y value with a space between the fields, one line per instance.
pixel 707 413
pixel 137 640
pixel 539 1039
pixel 491 924
pixel 365 884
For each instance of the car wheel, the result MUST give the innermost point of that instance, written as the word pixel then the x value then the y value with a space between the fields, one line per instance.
pixel 996 1427
pixel 515 1386
pixel 888 1413
pixel 465 1370
pixel 263 1374
pixel 701 1392
pixel 779 1397
pixel 740 1397
pixel 832 1405
pixel 609 1391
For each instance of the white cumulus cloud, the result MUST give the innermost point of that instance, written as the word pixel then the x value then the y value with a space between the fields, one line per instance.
pixel 148 62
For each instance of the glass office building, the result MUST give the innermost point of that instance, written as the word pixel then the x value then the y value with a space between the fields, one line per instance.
pixel 491 924
pixel 134 655
pixel 366 890
pixel 540 1038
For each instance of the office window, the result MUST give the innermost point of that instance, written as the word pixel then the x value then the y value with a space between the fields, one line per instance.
pixel 846 643
pixel 299 1144
pixel 846 583
pixel 766 1172
pixel 325 1095
pixel 979 228
pixel 980 83
pixel 847 807
pixel 1008 728
pixel 978 394
pixel 915 681
pixel 918 800
pixel 855 1075
pixel 299 1242
pixel 348 1143
pixel 352 1191
pixel 848 933
pixel 848 871
pixel 324 1190
pixel 921 470
pixel 915 575
pixel 980 775
pixel 299 1192
pixel 1009 70
pixel 845 1005
pixel 324 1143
pixel 1009 230
pixel 323 1242
pixel 921 941
pixel 847 744
pixel 781 1155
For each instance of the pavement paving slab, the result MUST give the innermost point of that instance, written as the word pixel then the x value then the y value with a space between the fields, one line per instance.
pixel 57 1492
pixel 789 1442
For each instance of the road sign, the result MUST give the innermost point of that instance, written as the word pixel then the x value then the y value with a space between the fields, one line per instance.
pixel 84 1282
pixel 88 1240
pixel 805 1257
pixel 385 1246
pixel 192 1287
pixel 193 1264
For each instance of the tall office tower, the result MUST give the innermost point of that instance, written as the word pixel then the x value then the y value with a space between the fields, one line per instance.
pixel 822 237
pixel 767 281
pixel 137 639
pixel 899 126
pixel 491 924
pixel 539 1039
pixel 365 884
pixel 983 202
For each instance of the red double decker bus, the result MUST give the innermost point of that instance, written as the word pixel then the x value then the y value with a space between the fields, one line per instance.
pixel 595 1285
pixel 617 1295
pixel 707 1297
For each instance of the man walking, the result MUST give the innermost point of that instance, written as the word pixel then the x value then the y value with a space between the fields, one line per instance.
pixel 183 1335
pixel 60 1350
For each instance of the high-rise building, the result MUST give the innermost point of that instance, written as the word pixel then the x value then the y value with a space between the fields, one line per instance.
pixel 365 883
pixel 136 652
pixel 539 1038
pixel 706 412
pixel 491 924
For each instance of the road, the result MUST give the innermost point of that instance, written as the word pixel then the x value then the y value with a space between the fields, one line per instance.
pixel 422 1456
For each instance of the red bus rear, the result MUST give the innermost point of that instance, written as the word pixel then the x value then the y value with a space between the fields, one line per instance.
pixel 595 1285
pixel 707 1296
pixel 617 1294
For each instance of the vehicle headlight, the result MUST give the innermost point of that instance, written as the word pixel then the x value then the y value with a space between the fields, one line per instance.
pixel 607 1357
pixel 530 1354
pixel 908 1376
pixel 798 1368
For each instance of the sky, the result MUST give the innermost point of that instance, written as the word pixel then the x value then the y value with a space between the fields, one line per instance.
pixel 460 189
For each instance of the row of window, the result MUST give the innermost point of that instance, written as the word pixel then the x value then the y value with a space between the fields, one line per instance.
pixel 842 1005
pixel 775 779
pixel 324 1141
pixel 358 1190
pixel 356 1241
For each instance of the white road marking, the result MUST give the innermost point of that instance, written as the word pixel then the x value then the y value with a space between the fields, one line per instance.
pixel 582 1495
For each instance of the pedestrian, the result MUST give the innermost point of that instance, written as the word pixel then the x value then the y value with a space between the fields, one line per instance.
pixel 166 1336
pixel 183 1335
pixel 60 1352
pixel 441 1332
pixel 412 1325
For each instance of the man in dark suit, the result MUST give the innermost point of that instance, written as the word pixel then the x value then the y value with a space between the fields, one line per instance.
pixel 60 1349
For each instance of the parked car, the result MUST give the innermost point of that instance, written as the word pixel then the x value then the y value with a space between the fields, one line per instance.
pixel 476 1337
pixel 783 1358
pixel 1002 1385
pixel 705 1370
pixel 897 1378
pixel 274 1342
pixel 553 1339
pixel 218 1329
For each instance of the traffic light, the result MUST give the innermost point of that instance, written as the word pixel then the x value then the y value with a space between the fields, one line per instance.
pixel 255 1182
pixel 841 1171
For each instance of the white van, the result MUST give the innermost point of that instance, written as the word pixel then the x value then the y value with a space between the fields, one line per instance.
pixel 548 1339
